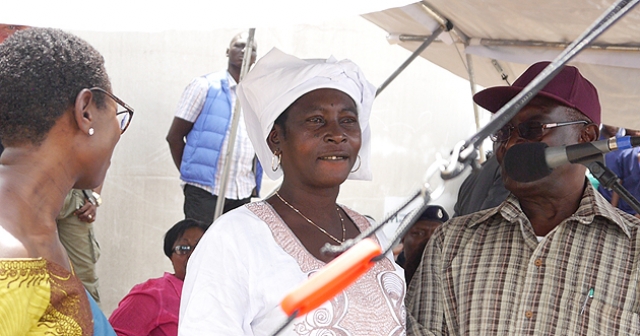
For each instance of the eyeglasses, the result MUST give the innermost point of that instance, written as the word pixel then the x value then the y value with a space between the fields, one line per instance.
pixel 530 130
pixel 183 249
pixel 124 112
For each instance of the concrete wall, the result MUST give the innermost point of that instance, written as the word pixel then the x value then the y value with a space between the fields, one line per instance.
pixel 425 111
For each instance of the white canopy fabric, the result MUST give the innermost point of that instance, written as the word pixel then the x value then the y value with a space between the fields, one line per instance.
pixel 519 33
pixel 198 15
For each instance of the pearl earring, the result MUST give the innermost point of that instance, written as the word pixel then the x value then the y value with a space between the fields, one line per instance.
pixel 91 131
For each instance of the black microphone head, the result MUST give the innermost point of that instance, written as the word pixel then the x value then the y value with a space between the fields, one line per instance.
pixel 526 162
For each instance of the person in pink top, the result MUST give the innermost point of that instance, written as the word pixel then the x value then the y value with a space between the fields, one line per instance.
pixel 152 307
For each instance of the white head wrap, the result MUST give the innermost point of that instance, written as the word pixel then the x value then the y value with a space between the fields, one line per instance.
pixel 277 80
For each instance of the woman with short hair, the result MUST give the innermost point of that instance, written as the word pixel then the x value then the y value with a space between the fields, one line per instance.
pixel 59 123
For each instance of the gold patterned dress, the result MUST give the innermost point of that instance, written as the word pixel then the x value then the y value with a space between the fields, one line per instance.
pixel 39 297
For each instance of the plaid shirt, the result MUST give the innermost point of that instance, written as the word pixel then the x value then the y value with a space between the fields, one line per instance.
pixel 487 274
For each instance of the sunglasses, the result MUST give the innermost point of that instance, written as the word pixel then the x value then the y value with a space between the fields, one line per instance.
pixel 183 249
pixel 530 130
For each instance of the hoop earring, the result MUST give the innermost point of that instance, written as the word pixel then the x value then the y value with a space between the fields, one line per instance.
pixel 275 164
pixel 359 162
pixel 91 131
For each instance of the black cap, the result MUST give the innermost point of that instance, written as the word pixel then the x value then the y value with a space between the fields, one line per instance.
pixel 435 213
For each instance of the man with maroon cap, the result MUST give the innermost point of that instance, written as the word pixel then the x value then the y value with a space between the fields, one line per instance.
pixel 555 258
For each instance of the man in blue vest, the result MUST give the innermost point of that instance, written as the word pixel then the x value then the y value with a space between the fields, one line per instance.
pixel 204 118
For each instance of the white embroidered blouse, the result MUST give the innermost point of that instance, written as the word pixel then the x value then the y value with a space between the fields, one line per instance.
pixel 249 260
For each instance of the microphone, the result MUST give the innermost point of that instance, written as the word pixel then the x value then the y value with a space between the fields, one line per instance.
pixel 528 162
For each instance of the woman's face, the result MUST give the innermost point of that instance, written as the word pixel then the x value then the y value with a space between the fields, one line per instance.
pixel 106 133
pixel 190 237
pixel 321 139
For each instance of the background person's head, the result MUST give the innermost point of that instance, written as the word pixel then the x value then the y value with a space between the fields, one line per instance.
pixel 419 234
pixel 235 52
pixel 179 243
pixel 416 239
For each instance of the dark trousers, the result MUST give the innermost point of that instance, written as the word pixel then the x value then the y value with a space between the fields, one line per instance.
pixel 201 205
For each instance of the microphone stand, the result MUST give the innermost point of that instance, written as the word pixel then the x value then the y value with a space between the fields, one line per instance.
pixel 609 180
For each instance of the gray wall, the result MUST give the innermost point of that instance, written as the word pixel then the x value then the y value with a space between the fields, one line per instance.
pixel 425 111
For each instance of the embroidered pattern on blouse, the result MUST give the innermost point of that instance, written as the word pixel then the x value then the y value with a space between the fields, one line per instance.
pixel 69 308
pixel 373 305
pixel 27 272
pixel 68 311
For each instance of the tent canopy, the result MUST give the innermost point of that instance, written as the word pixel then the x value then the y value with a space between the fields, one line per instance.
pixel 184 15
pixel 504 37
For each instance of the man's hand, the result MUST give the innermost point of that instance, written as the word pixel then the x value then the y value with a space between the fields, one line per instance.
pixel 86 213
pixel 179 129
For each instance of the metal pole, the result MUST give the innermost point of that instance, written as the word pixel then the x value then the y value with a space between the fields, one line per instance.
pixel 413 56
pixel 476 112
pixel 557 45
pixel 445 22
pixel 246 62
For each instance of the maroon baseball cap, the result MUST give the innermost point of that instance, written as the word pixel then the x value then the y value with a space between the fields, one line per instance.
pixel 568 88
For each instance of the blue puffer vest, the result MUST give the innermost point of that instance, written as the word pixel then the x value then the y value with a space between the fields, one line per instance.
pixel 204 141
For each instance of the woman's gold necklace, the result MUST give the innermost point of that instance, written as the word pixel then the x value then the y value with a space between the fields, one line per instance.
pixel 344 229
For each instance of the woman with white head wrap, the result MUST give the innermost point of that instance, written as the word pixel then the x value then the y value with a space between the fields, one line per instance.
pixel 309 122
